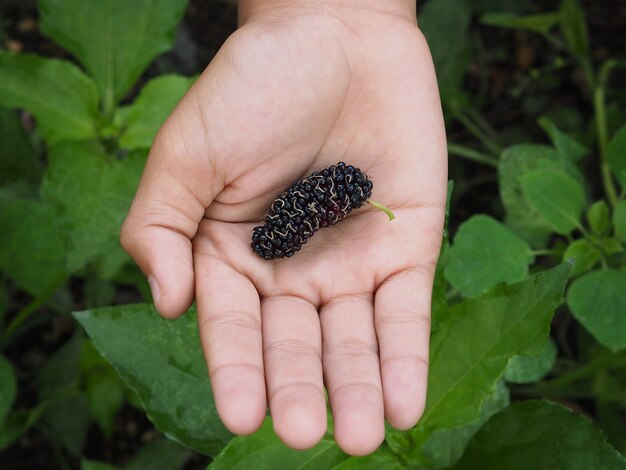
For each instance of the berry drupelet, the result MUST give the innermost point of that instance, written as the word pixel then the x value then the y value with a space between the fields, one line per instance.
pixel 319 200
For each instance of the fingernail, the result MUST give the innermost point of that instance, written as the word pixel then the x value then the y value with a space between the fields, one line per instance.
pixel 154 287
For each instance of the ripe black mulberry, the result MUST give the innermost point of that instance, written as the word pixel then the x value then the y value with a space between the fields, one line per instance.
pixel 319 200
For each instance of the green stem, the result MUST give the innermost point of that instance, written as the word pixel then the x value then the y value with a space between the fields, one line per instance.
pixel 491 145
pixel 471 154
pixel 546 251
pixel 33 306
pixel 603 142
pixel 380 207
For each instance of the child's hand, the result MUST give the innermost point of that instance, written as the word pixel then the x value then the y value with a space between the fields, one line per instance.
pixel 295 89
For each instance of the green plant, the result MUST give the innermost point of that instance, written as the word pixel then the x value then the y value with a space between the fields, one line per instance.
pixel 497 285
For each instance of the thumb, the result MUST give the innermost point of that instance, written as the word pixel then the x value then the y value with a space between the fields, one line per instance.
pixel 178 184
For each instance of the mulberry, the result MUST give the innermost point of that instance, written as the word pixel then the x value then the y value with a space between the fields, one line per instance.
pixel 319 200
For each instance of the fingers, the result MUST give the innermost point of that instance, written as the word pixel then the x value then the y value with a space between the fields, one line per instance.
pixel 402 318
pixel 292 352
pixel 352 373
pixel 178 183
pixel 230 330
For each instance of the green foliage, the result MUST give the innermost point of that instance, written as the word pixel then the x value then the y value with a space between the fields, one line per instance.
pixel 485 253
pixel 264 450
pixel 91 192
pixel 62 98
pixel 597 301
pixel 619 220
pixel 540 23
pixel 526 369
pixel 114 40
pixel 32 252
pixel 538 434
pixel 167 372
pixel 557 197
pixel 565 145
pixel 584 254
pixel 598 217
pixel 18 158
pixel 155 102
pixel 616 155
pixel 574 27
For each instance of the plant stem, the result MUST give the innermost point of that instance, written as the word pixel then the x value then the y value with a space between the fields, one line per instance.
pixel 491 145
pixel 471 154
pixel 32 307
pixel 380 207
pixel 546 251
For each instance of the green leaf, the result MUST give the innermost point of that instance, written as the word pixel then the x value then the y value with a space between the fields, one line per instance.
pixel 445 23
pixel 263 450
pixel 485 253
pixel 597 301
pixel 67 419
pixel 540 23
pixel 105 395
pixel 115 40
pixel 526 369
pixel 540 435
pixel 166 369
pixel 566 146
pixel 383 458
pixel 514 163
pixel 598 217
pixel 18 158
pixel 57 93
pixel 619 220
pixel 559 198
pixel 32 252
pixel 8 388
pixel 153 105
pixel 574 27
pixel 92 192
pixel 584 254
pixel 471 352
pixel 444 447
pixel 162 453
pixel 611 246
pixel 616 155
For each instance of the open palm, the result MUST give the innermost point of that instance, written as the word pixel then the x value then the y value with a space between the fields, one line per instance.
pixel 351 310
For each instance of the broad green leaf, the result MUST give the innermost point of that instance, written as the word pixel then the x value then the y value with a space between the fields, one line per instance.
pixel 383 458
pixel 540 435
pixel 471 352
pixel 598 300
pixel 574 27
pixel 485 253
pixel 92 192
pixel 514 163
pixel 153 105
pixel 8 388
pixel 115 40
pixel 445 23
pixel 565 145
pixel 63 99
pixel 32 252
pixel 526 369
pixel 444 447
pixel 616 155
pixel 540 23
pixel 611 246
pixel 559 198
pixel 263 450
pixel 166 368
pixel 598 217
pixel 18 157
pixel 584 254
pixel 619 220
pixel 162 453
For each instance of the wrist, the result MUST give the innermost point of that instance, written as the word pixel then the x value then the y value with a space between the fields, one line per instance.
pixel 345 9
